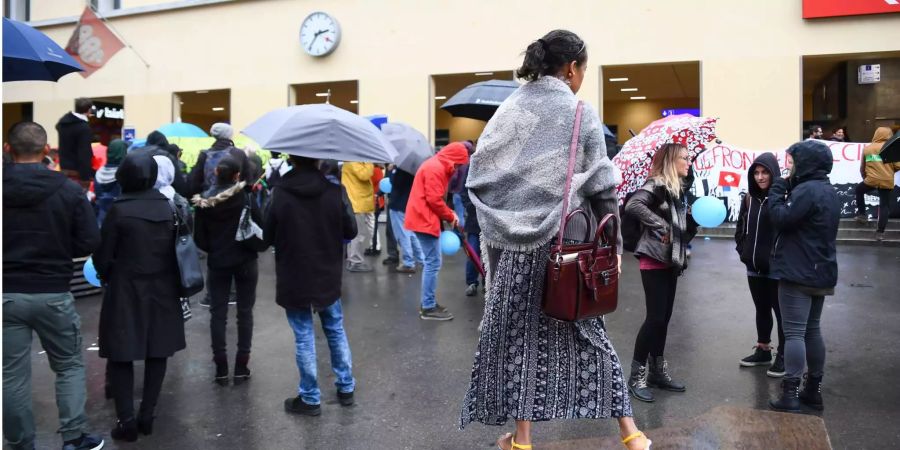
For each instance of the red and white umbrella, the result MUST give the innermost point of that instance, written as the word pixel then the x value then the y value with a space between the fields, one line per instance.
pixel 633 161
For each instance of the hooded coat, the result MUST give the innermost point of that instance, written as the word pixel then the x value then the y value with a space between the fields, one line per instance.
pixel 217 217
pixel 357 179
pixel 75 153
pixel 308 220
pixel 426 206
pixel 874 171
pixel 754 234
pixel 141 314
pixel 158 145
pixel 197 177
pixel 805 212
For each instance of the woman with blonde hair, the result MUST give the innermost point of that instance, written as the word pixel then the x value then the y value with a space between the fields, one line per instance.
pixel 666 230
pixel 529 367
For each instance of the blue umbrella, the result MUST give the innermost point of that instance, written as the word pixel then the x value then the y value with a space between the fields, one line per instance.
pixel 182 130
pixel 29 54
pixel 480 100
pixel 321 131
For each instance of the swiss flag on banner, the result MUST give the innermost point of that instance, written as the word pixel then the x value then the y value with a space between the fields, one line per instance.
pixel 92 44
pixel 729 179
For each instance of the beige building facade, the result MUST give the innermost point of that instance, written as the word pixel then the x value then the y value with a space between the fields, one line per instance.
pixel 749 54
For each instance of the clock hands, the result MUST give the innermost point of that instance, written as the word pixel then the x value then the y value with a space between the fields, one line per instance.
pixel 316 36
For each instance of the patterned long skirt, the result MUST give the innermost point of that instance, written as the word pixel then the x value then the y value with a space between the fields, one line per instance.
pixel 531 367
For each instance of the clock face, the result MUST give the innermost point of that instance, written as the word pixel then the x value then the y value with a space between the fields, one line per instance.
pixel 319 34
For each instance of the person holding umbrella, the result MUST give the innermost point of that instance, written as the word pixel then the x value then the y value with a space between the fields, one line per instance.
pixel 877 176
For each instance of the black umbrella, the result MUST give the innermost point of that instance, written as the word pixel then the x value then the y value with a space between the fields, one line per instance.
pixel 890 151
pixel 480 100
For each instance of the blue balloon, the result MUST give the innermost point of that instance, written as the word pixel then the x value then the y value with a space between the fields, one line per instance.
pixel 449 243
pixel 385 185
pixel 708 211
pixel 90 273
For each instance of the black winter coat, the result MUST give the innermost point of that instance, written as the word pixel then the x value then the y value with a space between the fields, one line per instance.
pixel 754 233
pixel 401 186
pixel 75 136
pixel 47 221
pixel 197 177
pixel 217 216
pixel 141 314
pixel 308 221
pixel 806 212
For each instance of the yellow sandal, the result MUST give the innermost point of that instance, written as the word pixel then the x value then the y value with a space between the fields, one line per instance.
pixel 512 441
pixel 635 436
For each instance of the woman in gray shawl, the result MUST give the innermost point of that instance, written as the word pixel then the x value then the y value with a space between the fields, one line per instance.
pixel 529 367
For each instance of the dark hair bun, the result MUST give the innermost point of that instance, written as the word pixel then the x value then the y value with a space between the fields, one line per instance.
pixel 549 54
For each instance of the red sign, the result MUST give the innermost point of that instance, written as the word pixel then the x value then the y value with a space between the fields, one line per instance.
pixel 814 9
pixel 729 179
pixel 92 44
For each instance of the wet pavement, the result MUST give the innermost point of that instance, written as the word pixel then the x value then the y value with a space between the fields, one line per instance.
pixel 412 374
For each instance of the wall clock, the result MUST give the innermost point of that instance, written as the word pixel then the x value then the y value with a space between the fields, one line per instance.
pixel 320 34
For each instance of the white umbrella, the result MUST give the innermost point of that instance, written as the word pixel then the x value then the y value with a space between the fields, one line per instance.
pixel 412 147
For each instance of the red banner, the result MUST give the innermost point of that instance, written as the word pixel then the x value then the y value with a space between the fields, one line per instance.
pixel 92 44
pixel 814 9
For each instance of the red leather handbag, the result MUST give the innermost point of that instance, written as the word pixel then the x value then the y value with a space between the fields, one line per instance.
pixel 582 280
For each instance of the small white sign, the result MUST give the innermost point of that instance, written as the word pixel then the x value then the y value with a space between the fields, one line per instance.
pixel 869 74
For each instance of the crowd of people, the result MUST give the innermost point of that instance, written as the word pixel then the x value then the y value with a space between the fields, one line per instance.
pixel 321 218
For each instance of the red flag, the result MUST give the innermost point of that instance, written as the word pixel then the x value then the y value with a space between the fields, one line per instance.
pixel 92 44
pixel 729 179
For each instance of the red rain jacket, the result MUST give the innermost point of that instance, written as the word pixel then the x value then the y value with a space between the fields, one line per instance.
pixel 426 207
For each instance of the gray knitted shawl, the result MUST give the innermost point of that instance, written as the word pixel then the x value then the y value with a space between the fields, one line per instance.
pixel 518 173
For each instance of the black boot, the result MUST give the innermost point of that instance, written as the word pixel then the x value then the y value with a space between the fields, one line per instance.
pixel 659 376
pixel 221 369
pixel 241 371
pixel 125 431
pixel 637 383
pixel 145 419
pixel 790 396
pixel 812 392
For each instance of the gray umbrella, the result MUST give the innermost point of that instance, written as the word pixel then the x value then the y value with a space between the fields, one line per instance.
pixel 412 147
pixel 480 100
pixel 322 132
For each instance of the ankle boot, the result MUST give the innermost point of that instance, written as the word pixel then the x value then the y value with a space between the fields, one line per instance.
pixel 125 431
pixel 145 421
pixel 811 395
pixel 659 376
pixel 790 396
pixel 221 369
pixel 637 383
pixel 241 371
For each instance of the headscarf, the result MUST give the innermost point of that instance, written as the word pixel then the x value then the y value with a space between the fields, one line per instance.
pixel 116 152
pixel 137 173
pixel 165 175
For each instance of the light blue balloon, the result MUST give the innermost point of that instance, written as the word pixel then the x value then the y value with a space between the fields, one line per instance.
pixel 385 186
pixel 90 273
pixel 449 243
pixel 708 211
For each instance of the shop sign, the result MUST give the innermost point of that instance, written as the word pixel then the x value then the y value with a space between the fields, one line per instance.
pixel 815 9
pixel 110 113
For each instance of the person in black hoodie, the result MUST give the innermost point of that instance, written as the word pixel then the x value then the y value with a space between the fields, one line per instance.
pixel 753 238
pixel 202 176
pixel 141 316
pixel 47 221
pixel 75 136
pixel 308 221
pixel 158 145
pixel 218 214
pixel 410 250
pixel 805 212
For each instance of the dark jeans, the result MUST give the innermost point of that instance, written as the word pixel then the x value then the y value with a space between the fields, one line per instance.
pixel 659 292
pixel 392 250
pixel 765 297
pixel 245 277
pixel 121 378
pixel 472 273
pixel 804 342
pixel 884 203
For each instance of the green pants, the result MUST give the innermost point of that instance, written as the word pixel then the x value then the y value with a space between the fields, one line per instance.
pixel 58 326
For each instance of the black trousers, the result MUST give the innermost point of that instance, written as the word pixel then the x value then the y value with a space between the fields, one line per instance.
pixel 121 378
pixel 765 297
pixel 245 277
pixel 884 203
pixel 659 293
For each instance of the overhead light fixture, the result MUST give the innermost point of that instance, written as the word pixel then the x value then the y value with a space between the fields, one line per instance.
pixel 180 103
pixel 628 89
pixel 441 97
pixel 354 102
pixel 483 74
pixel 639 98
pixel 203 92
pixel 321 94
pixel 219 108
pixel 614 80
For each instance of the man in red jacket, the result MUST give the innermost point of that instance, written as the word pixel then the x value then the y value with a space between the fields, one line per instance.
pixel 425 211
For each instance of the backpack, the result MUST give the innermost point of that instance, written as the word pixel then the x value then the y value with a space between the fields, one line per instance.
pixel 209 167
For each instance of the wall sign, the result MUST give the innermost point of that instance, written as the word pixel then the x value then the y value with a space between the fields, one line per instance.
pixel 869 73
pixel 815 9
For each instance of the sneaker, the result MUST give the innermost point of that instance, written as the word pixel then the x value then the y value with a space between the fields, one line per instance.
pixel 390 261
pixel 471 290
pixel 862 219
pixel 360 268
pixel 436 313
pixel 759 357
pixel 85 442
pixel 371 252
pixel 345 398
pixel 777 368
pixel 296 405
pixel 221 362
pixel 879 236
pixel 205 300
pixel 406 269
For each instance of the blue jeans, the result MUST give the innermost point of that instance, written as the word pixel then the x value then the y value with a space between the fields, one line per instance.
pixel 409 244
pixel 459 209
pixel 431 245
pixel 301 322
pixel 472 273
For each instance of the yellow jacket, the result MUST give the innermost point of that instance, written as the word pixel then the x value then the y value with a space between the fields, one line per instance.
pixel 357 179
pixel 876 173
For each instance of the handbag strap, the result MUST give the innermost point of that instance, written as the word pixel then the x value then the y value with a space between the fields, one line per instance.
pixel 570 170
